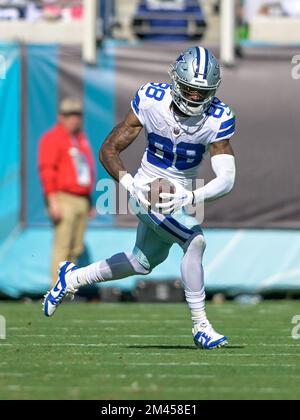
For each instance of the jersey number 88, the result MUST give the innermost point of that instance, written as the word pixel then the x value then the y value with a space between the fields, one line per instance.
pixel 157 91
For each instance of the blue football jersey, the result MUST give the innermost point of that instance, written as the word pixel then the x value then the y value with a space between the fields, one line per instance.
pixel 177 145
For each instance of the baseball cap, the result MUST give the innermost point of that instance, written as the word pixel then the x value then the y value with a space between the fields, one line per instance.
pixel 71 106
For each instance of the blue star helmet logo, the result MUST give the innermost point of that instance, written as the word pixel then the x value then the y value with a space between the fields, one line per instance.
pixel 181 59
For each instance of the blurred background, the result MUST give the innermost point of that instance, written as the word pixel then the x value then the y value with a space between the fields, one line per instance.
pixel 102 52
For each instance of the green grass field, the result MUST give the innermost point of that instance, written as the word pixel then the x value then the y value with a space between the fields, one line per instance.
pixel 145 351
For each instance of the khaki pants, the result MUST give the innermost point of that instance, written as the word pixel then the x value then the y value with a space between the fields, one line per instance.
pixel 69 232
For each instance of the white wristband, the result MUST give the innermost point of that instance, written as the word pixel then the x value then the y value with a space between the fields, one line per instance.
pixel 127 181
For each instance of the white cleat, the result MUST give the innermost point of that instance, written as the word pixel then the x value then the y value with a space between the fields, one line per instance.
pixel 61 289
pixel 207 338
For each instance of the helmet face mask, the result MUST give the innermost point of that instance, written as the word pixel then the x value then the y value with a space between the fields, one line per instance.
pixel 194 94
pixel 195 82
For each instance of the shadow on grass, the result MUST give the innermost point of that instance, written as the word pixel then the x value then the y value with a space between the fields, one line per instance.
pixel 233 347
pixel 179 347
pixel 162 346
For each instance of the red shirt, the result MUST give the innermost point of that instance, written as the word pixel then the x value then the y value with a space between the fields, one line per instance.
pixel 57 167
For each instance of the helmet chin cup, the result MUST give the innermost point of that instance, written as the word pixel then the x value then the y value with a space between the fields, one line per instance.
pixel 188 110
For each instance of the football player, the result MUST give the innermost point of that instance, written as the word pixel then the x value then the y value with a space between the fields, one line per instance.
pixel 183 121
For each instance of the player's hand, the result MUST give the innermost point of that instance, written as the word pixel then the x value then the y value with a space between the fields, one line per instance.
pixel 139 191
pixel 181 198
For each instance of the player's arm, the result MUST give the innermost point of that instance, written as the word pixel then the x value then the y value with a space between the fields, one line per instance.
pixel 223 165
pixel 109 155
pixel 118 140
pixel 222 147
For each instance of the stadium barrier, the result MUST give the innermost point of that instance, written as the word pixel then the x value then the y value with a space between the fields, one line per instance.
pixel 237 259
pixel 10 105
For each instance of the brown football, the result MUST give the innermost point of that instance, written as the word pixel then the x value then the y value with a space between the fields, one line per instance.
pixel 158 186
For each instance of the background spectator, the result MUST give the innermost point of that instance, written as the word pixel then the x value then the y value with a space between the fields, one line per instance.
pixel 67 172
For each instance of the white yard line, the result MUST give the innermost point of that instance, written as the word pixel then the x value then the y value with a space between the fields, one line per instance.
pixel 210 354
pixel 203 364
pixel 139 321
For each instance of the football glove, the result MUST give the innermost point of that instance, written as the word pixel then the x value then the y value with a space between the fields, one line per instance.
pixel 136 189
pixel 181 198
